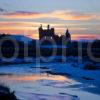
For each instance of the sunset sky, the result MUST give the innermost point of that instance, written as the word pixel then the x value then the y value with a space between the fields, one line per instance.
pixel 82 17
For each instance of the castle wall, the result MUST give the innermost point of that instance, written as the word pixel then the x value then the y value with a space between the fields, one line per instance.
pixel 50 33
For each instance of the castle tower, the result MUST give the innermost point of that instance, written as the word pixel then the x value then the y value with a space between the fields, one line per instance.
pixel 46 33
pixel 40 31
pixel 68 36
pixel 48 27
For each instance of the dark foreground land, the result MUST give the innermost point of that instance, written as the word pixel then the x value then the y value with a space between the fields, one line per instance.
pixel 6 94
pixel 36 49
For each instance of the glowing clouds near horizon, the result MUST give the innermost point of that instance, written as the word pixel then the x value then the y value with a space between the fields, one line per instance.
pixel 27 23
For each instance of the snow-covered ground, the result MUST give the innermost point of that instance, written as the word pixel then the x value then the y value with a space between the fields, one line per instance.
pixel 52 81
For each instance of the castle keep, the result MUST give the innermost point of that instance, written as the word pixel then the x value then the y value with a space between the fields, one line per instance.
pixel 50 33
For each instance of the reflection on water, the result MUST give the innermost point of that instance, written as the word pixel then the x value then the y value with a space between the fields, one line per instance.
pixel 38 86
pixel 34 77
pixel 30 85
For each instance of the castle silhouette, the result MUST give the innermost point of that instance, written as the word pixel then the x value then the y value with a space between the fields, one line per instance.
pixel 49 33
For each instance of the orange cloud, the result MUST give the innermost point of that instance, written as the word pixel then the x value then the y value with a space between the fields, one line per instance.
pixel 59 14
pixel 85 36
